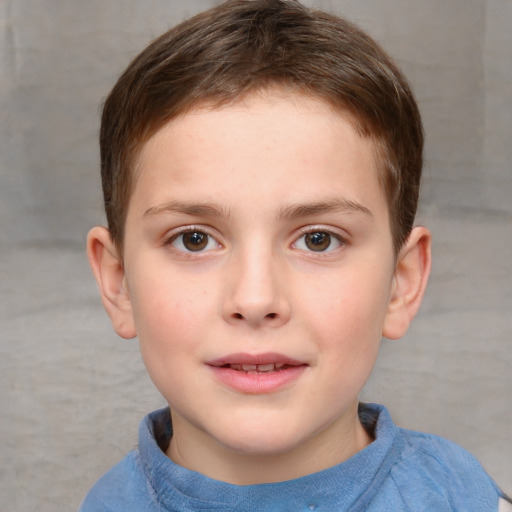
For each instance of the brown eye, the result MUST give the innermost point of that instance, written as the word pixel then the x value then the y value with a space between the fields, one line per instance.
pixel 195 240
pixel 317 241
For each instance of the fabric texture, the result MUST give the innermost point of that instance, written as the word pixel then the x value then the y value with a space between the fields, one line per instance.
pixel 400 471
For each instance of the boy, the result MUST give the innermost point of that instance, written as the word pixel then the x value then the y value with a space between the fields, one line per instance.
pixel 261 166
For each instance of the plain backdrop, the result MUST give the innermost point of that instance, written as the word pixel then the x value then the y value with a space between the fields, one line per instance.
pixel 72 393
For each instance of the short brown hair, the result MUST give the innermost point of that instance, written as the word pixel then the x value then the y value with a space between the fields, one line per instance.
pixel 241 46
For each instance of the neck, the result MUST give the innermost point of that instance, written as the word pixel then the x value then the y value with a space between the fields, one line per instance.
pixel 195 450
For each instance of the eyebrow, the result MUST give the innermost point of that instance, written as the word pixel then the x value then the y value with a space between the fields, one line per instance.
pixel 291 211
pixel 333 205
pixel 195 209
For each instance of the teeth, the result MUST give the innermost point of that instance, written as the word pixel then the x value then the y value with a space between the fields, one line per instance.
pixel 255 368
pixel 266 367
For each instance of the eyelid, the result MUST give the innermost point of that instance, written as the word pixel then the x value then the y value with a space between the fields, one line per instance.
pixel 312 228
pixel 172 235
pixel 342 237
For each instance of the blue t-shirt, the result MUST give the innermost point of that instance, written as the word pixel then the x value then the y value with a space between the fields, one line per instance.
pixel 399 471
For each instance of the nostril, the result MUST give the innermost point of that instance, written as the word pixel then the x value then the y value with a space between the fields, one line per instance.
pixel 238 316
pixel 271 315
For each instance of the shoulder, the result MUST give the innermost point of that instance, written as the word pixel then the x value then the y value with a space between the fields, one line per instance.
pixel 129 486
pixel 122 489
pixel 442 470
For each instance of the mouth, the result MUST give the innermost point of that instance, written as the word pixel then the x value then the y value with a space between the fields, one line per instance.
pixel 267 362
pixel 257 374
pixel 257 368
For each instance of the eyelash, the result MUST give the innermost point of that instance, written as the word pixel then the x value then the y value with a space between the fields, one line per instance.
pixel 310 230
pixel 190 230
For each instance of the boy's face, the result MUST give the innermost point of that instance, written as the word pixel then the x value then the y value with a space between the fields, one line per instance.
pixel 258 234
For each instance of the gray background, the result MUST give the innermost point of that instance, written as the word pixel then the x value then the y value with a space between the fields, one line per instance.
pixel 72 393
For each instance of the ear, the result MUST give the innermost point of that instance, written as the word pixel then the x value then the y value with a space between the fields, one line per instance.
pixel 409 283
pixel 108 270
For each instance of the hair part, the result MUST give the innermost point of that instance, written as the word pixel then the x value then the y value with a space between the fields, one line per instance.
pixel 244 46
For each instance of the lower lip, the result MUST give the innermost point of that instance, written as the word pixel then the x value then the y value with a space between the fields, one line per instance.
pixel 257 383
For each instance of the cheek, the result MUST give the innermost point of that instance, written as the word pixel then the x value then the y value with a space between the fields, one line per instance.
pixel 349 311
pixel 169 317
pixel 169 335
pixel 348 337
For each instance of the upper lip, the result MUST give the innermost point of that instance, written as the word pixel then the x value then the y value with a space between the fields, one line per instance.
pixel 255 359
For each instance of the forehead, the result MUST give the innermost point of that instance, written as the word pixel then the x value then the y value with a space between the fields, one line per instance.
pixel 257 103
pixel 266 144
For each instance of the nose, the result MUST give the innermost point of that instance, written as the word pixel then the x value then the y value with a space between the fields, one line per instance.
pixel 255 291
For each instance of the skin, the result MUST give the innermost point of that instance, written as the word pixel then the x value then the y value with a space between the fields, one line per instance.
pixel 256 180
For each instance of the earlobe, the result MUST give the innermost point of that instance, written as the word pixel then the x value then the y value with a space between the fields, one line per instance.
pixel 409 283
pixel 108 270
